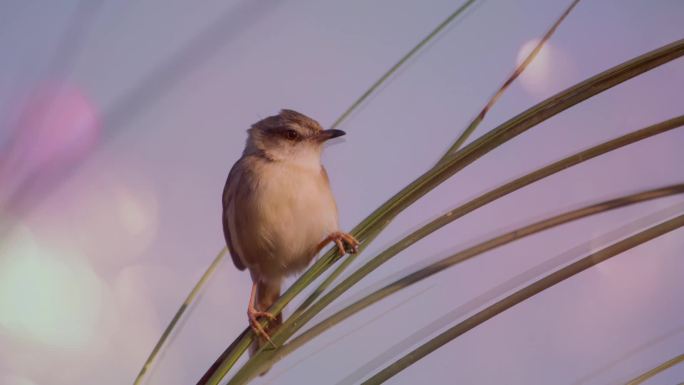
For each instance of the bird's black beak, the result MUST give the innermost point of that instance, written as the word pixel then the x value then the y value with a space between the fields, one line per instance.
pixel 329 134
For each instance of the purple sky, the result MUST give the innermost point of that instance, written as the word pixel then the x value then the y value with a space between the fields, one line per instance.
pixel 120 120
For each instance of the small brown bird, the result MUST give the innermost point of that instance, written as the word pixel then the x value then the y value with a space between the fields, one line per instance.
pixel 278 209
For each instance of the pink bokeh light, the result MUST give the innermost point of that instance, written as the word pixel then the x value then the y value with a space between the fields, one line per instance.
pixel 56 127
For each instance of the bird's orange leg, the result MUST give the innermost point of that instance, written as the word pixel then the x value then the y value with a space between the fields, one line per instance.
pixel 254 314
pixel 340 239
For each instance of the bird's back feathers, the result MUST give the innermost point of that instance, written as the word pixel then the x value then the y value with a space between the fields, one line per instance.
pixel 228 192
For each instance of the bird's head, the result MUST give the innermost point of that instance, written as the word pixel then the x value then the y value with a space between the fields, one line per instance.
pixel 289 135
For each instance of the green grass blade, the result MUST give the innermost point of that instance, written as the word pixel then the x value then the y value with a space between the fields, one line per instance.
pixel 535 115
pixel 665 365
pixel 266 356
pixel 519 70
pixel 469 253
pixel 466 133
pixel 381 217
pixel 401 62
pixel 523 294
pixel 179 313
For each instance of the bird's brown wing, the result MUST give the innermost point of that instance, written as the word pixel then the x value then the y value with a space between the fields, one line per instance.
pixel 228 195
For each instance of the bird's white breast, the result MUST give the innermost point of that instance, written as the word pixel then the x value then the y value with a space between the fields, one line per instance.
pixel 295 210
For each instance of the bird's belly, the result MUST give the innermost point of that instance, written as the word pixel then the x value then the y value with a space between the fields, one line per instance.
pixel 296 213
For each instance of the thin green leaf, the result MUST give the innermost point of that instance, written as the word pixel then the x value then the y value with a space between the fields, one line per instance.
pixel 523 294
pixel 266 356
pixel 462 138
pixel 665 365
pixel 179 313
pixel 535 115
pixel 369 228
pixel 401 62
pixel 469 253
pixel 519 70
pixel 486 143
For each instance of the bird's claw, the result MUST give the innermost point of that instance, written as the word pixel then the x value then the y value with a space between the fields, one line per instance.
pixel 254 315
pixel 341 238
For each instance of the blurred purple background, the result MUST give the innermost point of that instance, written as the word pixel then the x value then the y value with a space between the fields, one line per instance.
pixel 120 120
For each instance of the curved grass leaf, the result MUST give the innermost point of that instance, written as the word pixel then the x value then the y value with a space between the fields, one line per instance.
pixel 469 253
pixel 523 294
pixel 267 356
pixel 625 356
pixel 381 217
pixel 665 365
pixel 179 313
pixel 519 70
pixel 512 283
pixel 401 62
pixel 459 141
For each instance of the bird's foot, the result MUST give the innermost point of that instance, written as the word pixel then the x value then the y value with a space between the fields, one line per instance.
pixel 340 240
pixel 254 315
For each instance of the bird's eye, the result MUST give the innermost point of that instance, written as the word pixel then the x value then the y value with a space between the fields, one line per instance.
pixel 291 134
